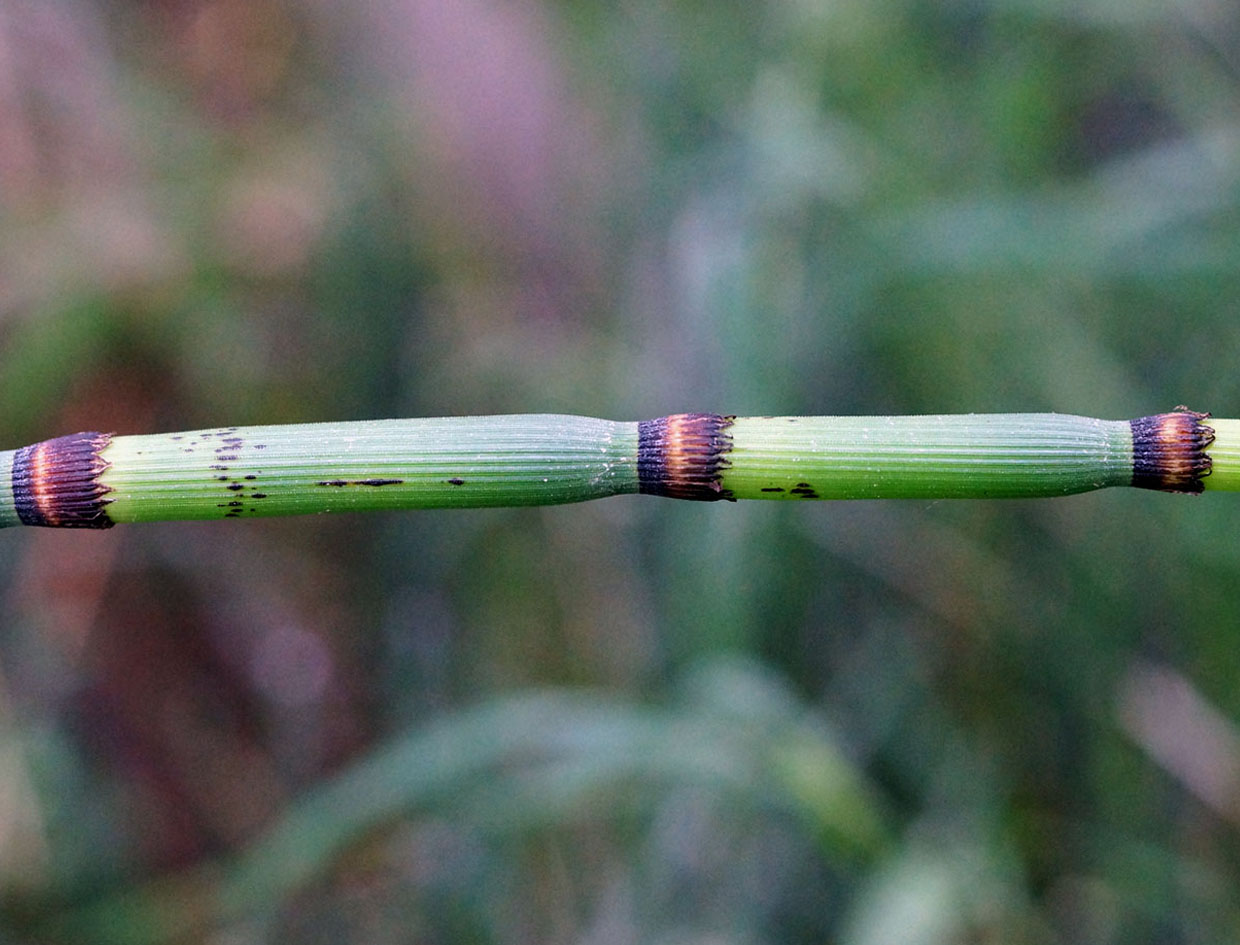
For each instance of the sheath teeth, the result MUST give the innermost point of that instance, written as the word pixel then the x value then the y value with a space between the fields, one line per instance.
pixel 56 482
pixel 1169 451
pixel 683 456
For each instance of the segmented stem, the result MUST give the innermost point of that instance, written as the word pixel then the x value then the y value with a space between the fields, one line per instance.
pixel 97 480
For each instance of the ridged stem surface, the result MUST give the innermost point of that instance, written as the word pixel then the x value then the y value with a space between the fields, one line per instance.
pixel 95 480
pixel 926 457
pixel 1224 455
pixel 458 462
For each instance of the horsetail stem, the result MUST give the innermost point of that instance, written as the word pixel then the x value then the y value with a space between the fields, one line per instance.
pixel 95 480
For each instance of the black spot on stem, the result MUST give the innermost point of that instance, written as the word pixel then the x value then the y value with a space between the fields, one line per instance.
pixel 360 482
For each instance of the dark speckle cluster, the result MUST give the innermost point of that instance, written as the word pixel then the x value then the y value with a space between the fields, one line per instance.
pixel 228 447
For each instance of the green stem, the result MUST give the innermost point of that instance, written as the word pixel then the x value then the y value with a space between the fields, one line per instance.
pixel 974 456
pixel 1224 455
pixel 96 480
pixel 465 462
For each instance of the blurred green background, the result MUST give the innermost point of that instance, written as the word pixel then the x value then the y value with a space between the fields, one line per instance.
pixel 633 720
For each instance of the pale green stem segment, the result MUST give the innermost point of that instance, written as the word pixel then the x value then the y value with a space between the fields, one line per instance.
pixel 8 508
pixel 972 456
pixel 1224 455
pixel 458 462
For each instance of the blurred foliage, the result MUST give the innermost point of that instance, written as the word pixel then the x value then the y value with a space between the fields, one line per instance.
pixel 632 720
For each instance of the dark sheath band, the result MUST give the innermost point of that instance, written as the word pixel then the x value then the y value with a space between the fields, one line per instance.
pixel 1169 451
pixel 683 456
pixel 56 482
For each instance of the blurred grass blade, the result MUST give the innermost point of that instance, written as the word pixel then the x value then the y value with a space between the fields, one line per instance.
pixel 533 760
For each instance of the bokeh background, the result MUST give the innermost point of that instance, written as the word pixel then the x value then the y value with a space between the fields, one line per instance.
pixel 633 720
